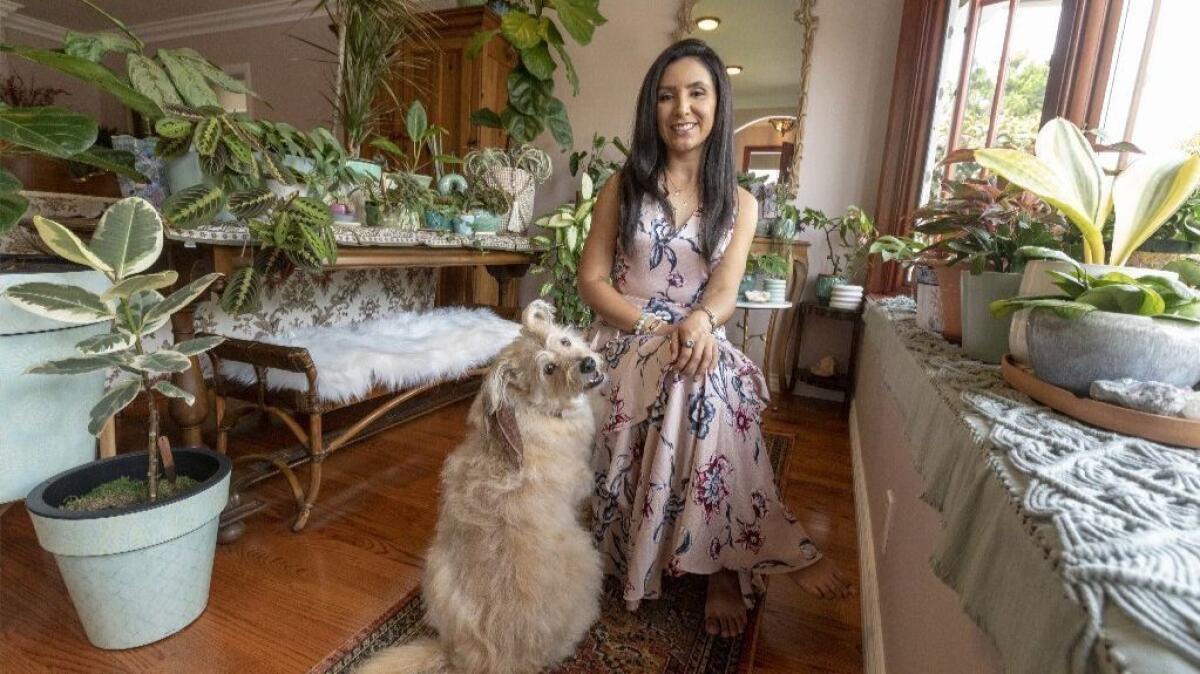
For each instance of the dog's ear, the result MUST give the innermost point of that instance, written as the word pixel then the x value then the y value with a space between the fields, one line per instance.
pixel 499 418
pixel 538 318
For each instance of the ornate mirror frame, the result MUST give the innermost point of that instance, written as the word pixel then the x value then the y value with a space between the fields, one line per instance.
pixel 808 26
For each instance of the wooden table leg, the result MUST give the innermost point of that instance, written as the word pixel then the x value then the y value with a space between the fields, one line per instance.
pixel 794 342
pixel 505 274
pixel 189 417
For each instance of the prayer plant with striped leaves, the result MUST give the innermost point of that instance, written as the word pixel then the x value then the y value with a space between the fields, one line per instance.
pixel 127 241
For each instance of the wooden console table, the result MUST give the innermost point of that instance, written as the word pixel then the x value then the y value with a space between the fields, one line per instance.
pixel 192 259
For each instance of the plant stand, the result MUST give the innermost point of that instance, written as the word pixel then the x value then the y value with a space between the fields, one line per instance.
pixel 766 337
pixel 838 382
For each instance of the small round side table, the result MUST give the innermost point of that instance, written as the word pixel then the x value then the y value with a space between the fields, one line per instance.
pixel 744 325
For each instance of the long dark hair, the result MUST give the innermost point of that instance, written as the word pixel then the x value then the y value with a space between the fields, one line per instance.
pixel 648 154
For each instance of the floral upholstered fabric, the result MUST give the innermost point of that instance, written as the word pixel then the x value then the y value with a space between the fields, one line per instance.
pixel 683 482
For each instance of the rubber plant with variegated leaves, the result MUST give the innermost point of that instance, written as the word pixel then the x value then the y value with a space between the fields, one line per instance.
pixel 568 228
pixel 1065 171
pixel 127 241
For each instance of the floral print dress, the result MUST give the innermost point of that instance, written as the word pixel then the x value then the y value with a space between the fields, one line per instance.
pixel 683 480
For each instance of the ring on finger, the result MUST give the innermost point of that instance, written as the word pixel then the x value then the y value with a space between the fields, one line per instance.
pixel 690 343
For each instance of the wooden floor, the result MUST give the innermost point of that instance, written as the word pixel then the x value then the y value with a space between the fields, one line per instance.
pixel 281 602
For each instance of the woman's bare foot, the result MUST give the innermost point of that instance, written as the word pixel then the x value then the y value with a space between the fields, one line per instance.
pixel 824 579
pixel 724 608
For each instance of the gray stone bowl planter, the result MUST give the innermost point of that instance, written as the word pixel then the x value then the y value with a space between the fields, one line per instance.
pixel 139 574
pixel 1071 354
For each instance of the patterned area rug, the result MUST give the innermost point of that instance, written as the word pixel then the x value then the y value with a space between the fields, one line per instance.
pixel 665 636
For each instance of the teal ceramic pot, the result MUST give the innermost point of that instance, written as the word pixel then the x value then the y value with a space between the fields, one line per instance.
pixel 136 574
pixel 825 285
pixel 486 222
pixel 438 221
pixel 462 225
pixel 749 282
pixel 783 229
pixel 452 182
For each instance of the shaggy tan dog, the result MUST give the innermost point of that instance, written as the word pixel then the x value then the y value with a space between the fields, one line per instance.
pixel 512 580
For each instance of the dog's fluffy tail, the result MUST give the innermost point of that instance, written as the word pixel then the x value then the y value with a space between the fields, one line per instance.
pixel 423 656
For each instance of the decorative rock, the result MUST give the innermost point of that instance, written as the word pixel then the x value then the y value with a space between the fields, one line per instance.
pixel 826 367
pixel 1146 396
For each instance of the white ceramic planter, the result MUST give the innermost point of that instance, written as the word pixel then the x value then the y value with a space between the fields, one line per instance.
pixel 1036 281
pixel 135 575
pixel 45 416
pixel 985 337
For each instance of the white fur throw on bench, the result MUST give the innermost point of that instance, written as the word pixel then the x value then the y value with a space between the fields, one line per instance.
pixel 400 351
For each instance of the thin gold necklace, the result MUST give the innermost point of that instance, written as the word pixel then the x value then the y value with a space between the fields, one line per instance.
pixel 672 189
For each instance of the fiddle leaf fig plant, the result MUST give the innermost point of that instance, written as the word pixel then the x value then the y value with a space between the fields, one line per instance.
pixel 532 107
pixel 127 241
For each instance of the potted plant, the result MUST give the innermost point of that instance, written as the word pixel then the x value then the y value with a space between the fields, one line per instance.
pixel 593 162
pixel 136 556
pixel 1112 326
pixel 532 107
pixel 562 247
pixel 848 258
pixel 423 138
pixel 399 201
pixel 765 266
pixel 486 208
pixel 517 171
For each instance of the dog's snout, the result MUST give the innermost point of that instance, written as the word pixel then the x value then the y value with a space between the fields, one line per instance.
pixel 587 365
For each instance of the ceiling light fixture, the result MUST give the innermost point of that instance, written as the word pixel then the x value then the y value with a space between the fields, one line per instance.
pixel 733 70
pixel 783 124
pixel 708 23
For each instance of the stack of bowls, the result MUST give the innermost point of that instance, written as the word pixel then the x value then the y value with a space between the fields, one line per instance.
pixel 776 288
pixel 848 298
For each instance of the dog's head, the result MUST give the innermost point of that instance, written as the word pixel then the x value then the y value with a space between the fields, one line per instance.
pixel 548 368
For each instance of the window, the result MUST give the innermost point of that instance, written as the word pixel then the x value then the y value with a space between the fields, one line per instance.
pixel 992 82
pixel 1150 100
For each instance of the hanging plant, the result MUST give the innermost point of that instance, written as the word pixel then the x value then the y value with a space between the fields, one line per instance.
pixel 532 107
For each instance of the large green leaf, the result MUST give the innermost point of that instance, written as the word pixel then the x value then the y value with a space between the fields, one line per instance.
pixel 243 292
pixel 151 80
pixel 521 29
pixel 189 81
pixel 139 304
pixel 478 41
pixel 251 203
pixel 92 46
pixel 1061 306
pixel 1146 194
pixel 163 361
pixel 49 129
pixel 212 73
pixel 522 128
pixel 572 76
pixel 91 73
pixel 119 162
pixel 129 237
pixel 135 284
pixel 65 244
pixel 580 18
pixel 1188 270
pixel 78 365
pixel 107 343
pixel 416 121
pixel 12 207
pixel 194 206
pixel 487 117
pixel 1031 173
pixel 197 346
pixel 179 299
pixel 527 94
pixel 559 125
pixel 66 303
pixel 117 398
pixel 172 391
pixel 1124 298
pixel 1063 146
pixel 537 61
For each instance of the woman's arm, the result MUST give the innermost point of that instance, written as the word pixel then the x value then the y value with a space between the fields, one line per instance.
pixel 595 264
pixel 720 296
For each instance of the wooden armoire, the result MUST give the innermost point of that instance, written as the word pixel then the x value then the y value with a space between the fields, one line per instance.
pixel 451 87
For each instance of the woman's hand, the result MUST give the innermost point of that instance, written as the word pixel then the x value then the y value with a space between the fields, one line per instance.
pixel 693 347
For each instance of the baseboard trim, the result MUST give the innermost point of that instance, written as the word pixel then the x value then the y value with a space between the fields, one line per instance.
pixel 874 661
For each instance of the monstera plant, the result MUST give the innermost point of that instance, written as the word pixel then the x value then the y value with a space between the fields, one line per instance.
pixel 1065 171
pixel 127 241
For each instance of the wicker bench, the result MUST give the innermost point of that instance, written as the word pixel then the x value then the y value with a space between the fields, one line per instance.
pixel 300 377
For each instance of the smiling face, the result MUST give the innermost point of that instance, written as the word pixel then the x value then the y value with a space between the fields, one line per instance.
pixel 687 104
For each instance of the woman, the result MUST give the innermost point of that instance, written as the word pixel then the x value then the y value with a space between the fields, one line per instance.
pixel 682 482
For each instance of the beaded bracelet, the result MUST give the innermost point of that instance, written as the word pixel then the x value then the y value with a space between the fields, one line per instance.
pixel 712 318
